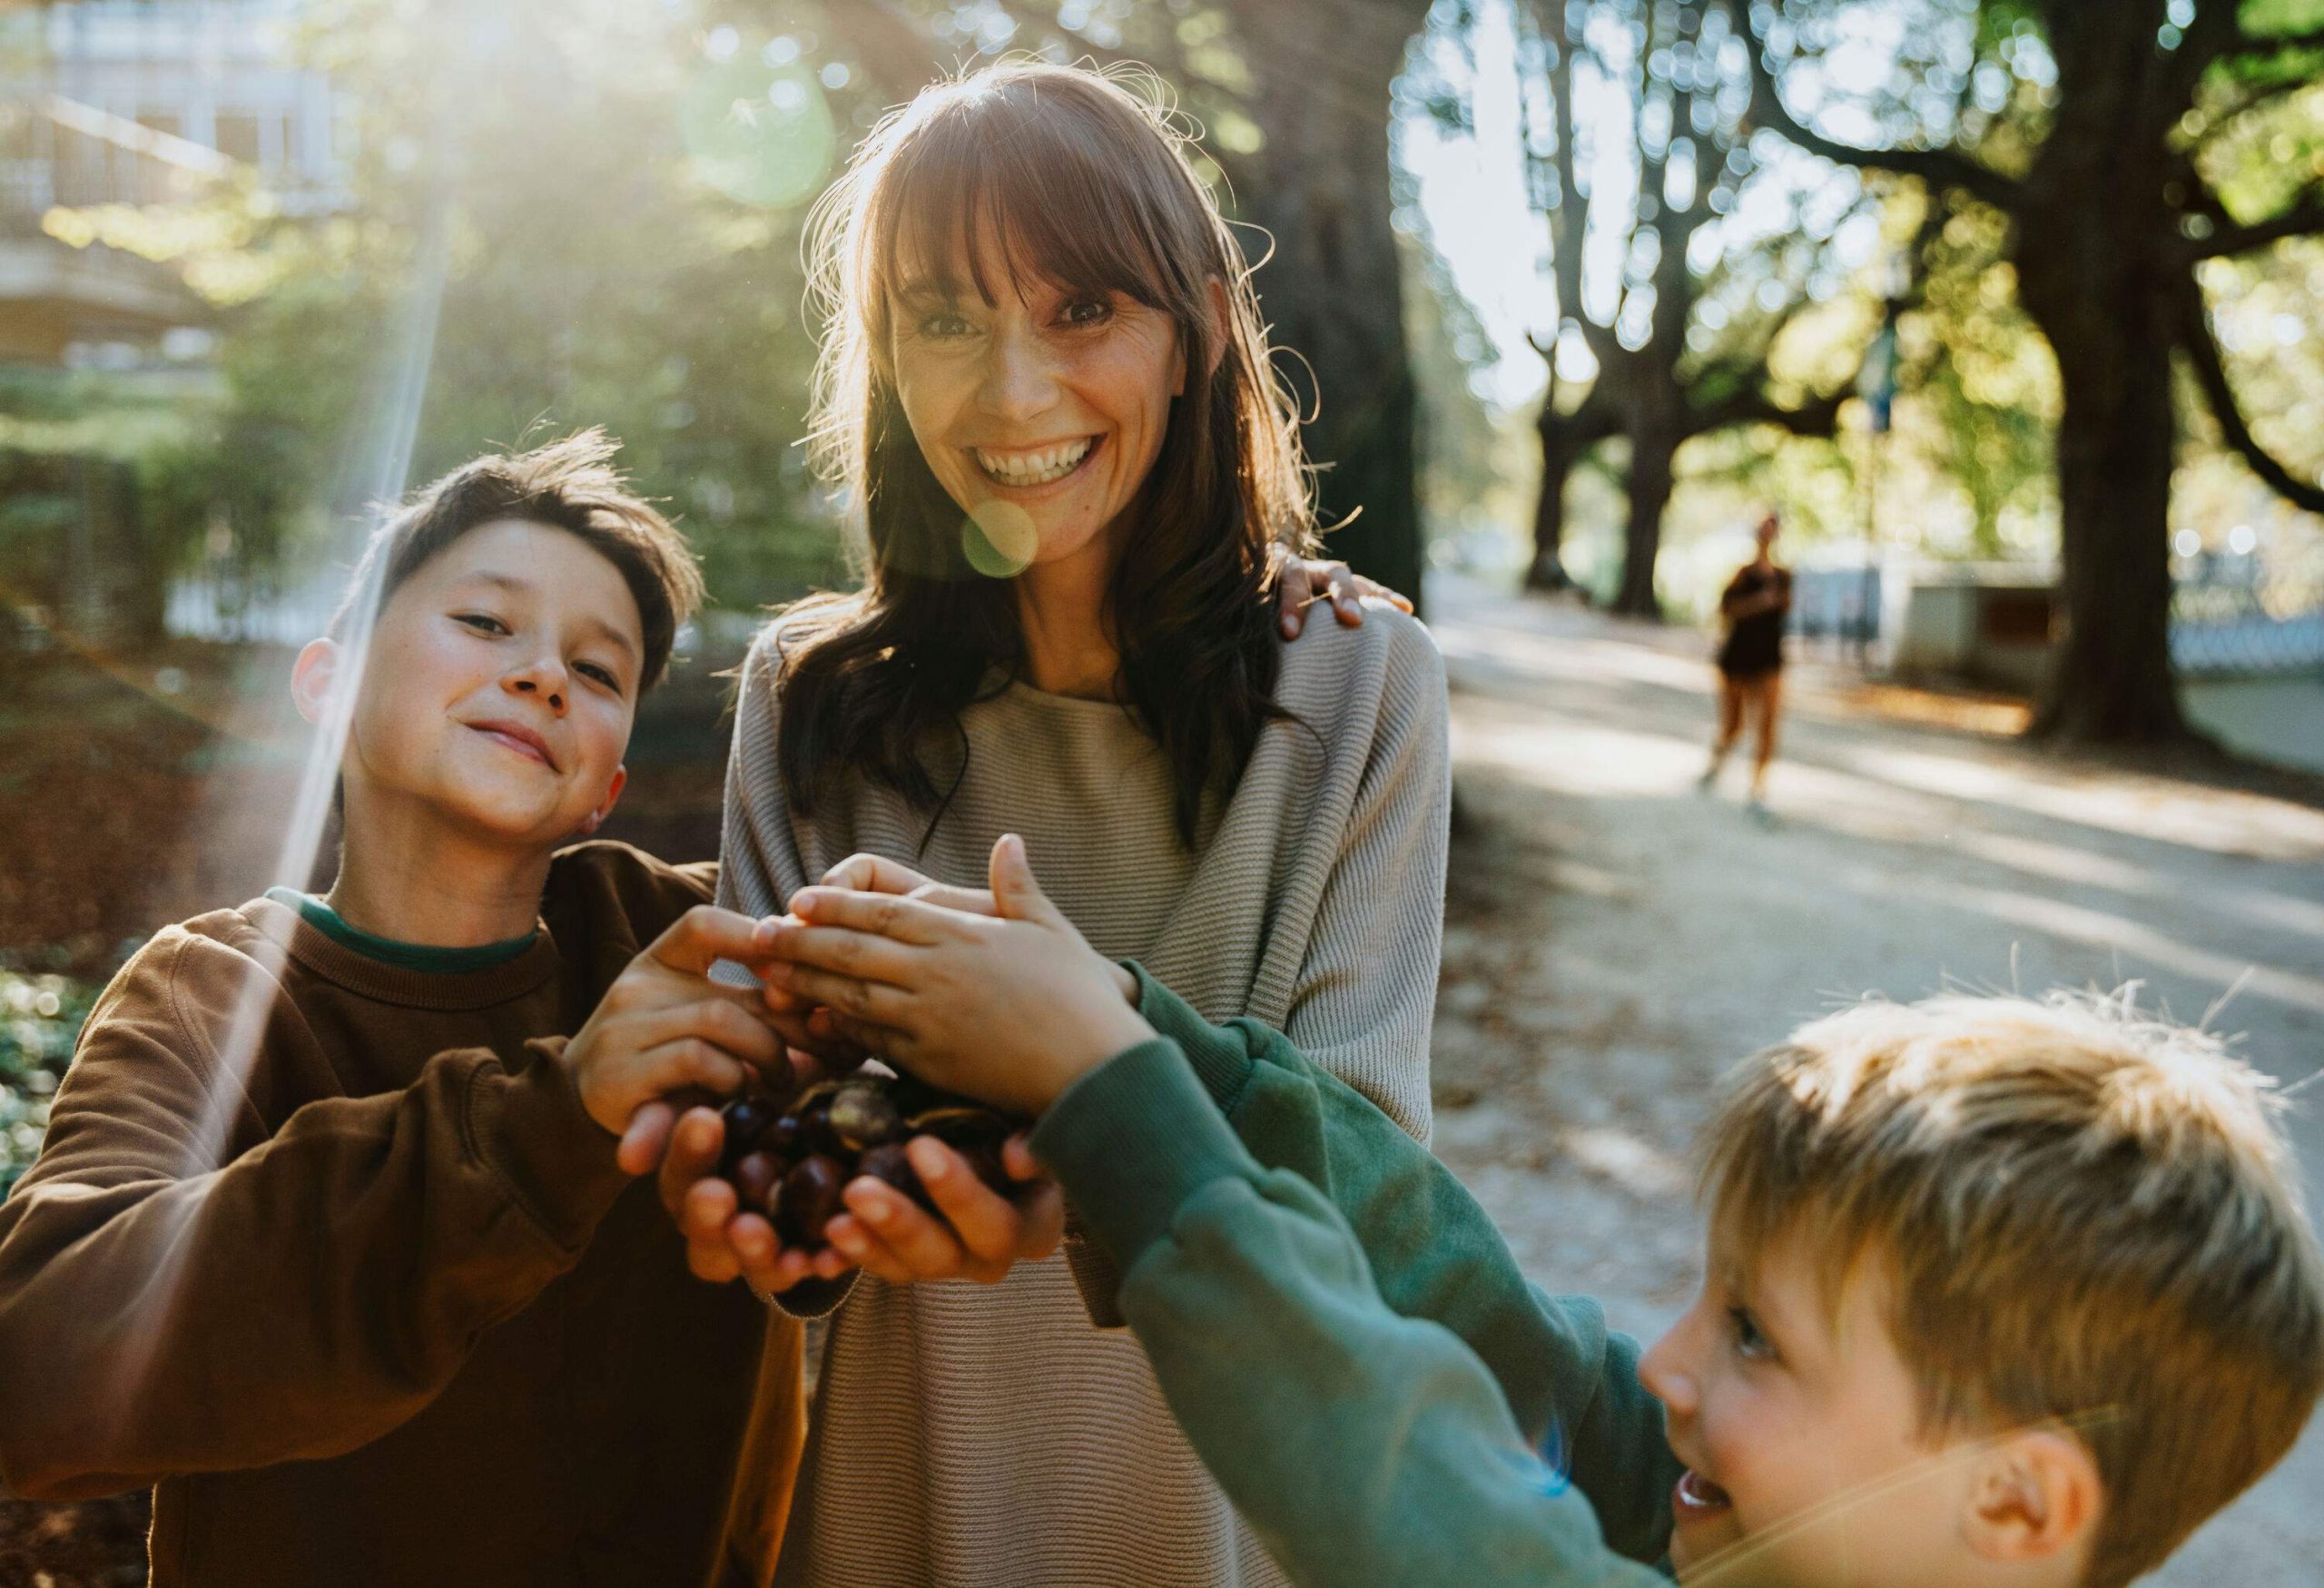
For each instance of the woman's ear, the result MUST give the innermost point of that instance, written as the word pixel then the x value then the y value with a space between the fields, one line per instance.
pixel 1222 320
pixel 313 677
pixel 2035 1495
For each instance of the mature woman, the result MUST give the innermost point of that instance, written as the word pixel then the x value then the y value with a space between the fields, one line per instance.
pixel 1753 608
pixel 1047 382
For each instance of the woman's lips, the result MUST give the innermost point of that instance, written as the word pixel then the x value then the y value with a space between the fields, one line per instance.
pixel 1012 488
pixel 1695 1498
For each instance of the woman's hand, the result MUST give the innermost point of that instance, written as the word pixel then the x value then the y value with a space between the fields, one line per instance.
pixel 1011 1008
pixel 980 1236
pixel 1300 584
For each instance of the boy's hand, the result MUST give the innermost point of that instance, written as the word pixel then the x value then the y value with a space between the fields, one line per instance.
pixel 665 1026
pixel 1300 584
pixel 1012 1009
pixel 980 1235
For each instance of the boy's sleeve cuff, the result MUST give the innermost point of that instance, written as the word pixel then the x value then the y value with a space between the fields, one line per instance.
pixel 556 1161
pixel 1218 1055
pixel 1132 1140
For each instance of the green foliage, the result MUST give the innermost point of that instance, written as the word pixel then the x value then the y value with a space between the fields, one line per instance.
pixel 40 1019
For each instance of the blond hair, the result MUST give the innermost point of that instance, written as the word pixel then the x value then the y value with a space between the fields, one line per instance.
pixel 2090 1218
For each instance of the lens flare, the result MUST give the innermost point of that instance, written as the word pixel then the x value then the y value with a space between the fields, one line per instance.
pixel 760 134
pixel 998 540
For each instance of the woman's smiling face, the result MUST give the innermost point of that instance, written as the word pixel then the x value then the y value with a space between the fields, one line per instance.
pixel 1048 401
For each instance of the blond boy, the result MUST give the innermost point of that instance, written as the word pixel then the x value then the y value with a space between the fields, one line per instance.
pixel 1997 1291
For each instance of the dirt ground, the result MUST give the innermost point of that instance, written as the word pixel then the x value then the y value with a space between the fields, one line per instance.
pixel 1614 938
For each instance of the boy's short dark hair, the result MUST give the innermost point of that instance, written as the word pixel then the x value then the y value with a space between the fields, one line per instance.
pixel 570 485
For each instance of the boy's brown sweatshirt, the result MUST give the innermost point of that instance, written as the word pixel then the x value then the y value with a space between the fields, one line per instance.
pixel 379 1307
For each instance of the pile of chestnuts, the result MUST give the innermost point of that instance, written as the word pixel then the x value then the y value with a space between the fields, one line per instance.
pixel 791 1160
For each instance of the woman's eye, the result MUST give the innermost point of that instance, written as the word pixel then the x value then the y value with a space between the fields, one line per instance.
pixel 1749 1339
pixel 938 326
pixel 1088 311
pixel 482 622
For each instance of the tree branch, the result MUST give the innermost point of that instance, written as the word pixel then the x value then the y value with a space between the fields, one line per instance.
pixel 1938 167
pixel 2211 374
pixel 2268 44
pixel 2303 218
pixel 1819 416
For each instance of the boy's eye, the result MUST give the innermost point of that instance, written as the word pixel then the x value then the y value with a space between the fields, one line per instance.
pixel 602 675
pixel 1749 1339
pixel 482 622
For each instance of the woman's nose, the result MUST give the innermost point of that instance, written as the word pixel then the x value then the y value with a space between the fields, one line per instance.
pixel 1020 378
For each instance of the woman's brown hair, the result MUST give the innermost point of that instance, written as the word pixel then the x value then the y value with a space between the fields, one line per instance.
pixel 1070 174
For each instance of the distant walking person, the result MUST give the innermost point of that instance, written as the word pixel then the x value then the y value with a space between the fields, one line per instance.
pixel 1754 608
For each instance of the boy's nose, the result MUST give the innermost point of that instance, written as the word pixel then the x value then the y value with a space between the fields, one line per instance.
pixel 1667 1370
pixel 544 684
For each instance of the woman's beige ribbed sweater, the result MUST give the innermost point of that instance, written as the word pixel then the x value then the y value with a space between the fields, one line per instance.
pixel 973 1434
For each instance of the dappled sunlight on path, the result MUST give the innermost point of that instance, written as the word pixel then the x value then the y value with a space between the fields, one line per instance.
pixel 1615 939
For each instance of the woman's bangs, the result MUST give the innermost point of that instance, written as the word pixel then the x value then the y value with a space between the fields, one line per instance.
pixel 971 189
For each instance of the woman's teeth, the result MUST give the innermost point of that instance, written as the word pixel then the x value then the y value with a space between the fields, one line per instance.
pixel 1035 467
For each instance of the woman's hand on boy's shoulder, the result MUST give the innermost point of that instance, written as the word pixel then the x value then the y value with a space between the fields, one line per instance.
pixel 1301 583
pixel 975 1233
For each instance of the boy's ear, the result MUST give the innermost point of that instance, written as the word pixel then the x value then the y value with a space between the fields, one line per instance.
pixel 313 677
pixel 2036 1493
pixel 596 818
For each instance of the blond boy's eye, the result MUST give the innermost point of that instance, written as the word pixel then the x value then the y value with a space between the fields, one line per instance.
pixel 482 622
pixel 602 675
pixel 1749 1339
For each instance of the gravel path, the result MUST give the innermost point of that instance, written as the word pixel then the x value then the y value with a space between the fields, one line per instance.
pixel 1615 939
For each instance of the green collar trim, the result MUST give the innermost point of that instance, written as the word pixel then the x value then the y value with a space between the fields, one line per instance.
pixel 403 956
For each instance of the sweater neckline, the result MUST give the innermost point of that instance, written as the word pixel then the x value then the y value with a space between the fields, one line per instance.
pixel 434 959
pixel 476 987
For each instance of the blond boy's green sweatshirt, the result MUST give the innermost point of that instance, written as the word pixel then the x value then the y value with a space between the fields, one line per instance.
pixel 1342 1331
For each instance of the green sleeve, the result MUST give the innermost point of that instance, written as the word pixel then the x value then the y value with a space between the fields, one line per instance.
pixel 1571 1384
pixel 1361 1445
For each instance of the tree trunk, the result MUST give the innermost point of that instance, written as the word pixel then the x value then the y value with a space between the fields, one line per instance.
pixel 2091 274
pixel 1652 453
pixel 1331 293
pixel 1559 455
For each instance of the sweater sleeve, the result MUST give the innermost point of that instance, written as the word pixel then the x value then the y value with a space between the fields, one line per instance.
pixel 180 1292
pixel 1361 1445
pixel 1364 994
pixel 759 866
pixel 1571 1384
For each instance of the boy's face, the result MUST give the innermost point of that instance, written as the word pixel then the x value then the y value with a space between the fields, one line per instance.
pixel 501 687
pixel 1799 1422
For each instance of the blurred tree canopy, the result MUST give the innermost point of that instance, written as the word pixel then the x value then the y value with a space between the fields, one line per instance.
pixel 623 190
pixel 2123 150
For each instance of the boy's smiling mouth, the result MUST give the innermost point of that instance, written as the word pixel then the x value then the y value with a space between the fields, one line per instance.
pixel 1695 1498
pixel 519 738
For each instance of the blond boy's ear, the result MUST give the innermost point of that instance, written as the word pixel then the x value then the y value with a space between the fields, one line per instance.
pixel 313 677
pixel 2036 1496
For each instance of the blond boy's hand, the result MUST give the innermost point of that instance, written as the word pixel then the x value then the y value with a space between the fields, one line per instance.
pixel 665 1026
pixel 1010 1008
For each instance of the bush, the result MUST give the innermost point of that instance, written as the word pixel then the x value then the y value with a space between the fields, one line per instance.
pixel 40 1020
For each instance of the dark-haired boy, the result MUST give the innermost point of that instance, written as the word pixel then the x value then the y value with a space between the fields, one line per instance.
pixel 329 1239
